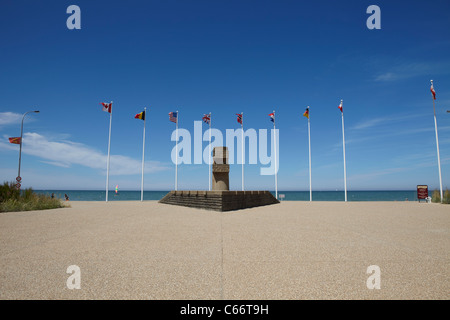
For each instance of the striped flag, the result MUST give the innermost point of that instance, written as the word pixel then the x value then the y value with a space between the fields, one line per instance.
pixel 306 113
pixel 272 117
pixel 239 117
pixel 140 115
pixel 173 116
pixel 106 106
pixel 340 107
pixel 432 91
pixel 15 140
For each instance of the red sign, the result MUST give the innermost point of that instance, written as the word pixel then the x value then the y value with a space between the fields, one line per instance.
pixel 422 192
pixel 18 179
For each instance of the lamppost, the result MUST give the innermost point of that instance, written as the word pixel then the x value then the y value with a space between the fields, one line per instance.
pixel 19 179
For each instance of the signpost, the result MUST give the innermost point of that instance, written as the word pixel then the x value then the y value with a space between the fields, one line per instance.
pixel 422 192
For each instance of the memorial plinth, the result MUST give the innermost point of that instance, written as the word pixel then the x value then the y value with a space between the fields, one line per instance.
pixel 220 169
pixel 220 198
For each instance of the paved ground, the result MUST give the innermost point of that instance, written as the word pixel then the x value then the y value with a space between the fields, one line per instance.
pixel 294 250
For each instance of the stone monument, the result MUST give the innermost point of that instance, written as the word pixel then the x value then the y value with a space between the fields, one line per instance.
pixel 220 169
pixel 220 198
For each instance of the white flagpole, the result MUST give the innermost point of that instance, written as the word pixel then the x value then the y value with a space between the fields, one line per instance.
pixel 210 121
pixel 143 153
pixel 343 146
pixel 275 145
pixel 437 146
pixel 109 150
pixel 242 125
pixel 309 141
pixel 176 156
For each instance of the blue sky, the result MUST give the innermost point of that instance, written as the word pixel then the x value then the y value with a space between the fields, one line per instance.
pixel 225 57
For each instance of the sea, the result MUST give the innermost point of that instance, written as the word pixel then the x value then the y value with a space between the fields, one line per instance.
pixel 98 195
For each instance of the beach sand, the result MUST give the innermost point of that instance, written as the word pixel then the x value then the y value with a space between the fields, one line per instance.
pixel 293 250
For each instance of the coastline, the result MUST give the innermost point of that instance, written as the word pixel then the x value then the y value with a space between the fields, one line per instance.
pixel 361 195
pixel 292 250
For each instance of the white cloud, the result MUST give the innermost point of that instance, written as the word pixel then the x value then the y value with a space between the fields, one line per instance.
pixel 66 153
pixel 7 118
pixel 383 120
pixel 411 70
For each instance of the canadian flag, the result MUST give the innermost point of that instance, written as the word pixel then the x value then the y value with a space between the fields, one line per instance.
pixel 106 106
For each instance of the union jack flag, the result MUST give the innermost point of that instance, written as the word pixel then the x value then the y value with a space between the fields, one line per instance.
pixel 207 118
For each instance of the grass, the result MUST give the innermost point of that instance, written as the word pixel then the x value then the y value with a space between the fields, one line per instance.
pixel 436 197
pixel 12 199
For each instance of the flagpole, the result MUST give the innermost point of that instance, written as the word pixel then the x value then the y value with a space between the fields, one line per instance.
pixel 210 121
pixel 143 154
pixel 242 125
pixel 343 146
pixel 109 150
pixel 309 142
pixel 176 156
pixel 437 146
pixel 275 145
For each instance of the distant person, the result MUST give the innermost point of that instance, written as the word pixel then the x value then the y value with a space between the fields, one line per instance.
pixel 66 196
pixel 53 195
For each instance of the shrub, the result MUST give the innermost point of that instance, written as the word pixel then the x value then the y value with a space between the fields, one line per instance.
pixel 436 197
pixel 12 199
pixel 446 197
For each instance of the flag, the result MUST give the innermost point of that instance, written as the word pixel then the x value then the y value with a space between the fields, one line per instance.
pixel 433 92
pixel 173 116
pixel 106 106
pixel 306 114
pixel 15 140
pixel 239 118
pixel 206 118
pixel 340 107
pixel 140 115
pixel 272 117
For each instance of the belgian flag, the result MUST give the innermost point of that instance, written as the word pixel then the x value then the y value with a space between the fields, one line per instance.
pixel 306 114
pixel 140 115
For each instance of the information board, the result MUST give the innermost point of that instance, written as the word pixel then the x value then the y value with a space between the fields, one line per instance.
pixel 422 192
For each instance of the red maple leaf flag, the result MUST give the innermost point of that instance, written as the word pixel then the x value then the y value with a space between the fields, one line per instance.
pixel 106 106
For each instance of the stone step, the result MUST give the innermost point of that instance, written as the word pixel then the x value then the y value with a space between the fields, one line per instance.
pixel 219 200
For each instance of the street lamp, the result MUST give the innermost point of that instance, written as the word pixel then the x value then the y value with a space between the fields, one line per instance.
pixel 19 179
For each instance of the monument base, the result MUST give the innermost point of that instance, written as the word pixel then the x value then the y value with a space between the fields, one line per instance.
pixel 220 200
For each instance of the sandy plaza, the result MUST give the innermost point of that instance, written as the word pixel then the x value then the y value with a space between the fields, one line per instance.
pixel 289 251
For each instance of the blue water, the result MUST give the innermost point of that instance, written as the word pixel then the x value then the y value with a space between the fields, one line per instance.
pixel 96 195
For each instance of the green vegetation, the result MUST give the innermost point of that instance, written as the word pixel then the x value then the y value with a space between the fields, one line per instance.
pixel 436 197
pixel 12 199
